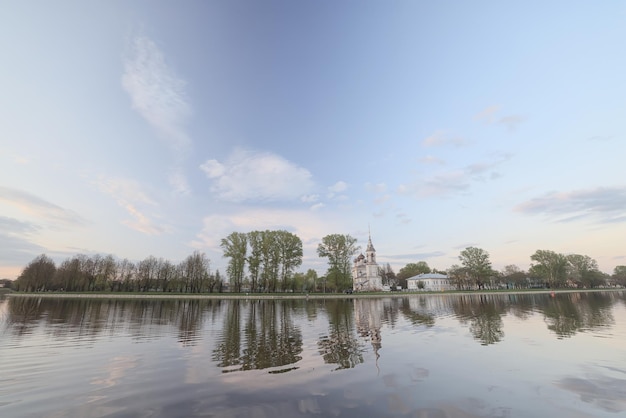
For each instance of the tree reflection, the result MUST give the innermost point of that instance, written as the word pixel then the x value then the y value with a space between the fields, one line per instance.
pixel 341 346
pixel 417 310
pixel 484 313
pixel 567 314
pixel 269 337
pixel 87 318
pixel 23 314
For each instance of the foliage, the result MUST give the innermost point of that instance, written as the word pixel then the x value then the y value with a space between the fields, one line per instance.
pixel 271 257
pixel 235 247
pixel 388 275
pixel 513 275
pixel 410 270
pixel 550 266
pixel 619 275
pixel 339 250
pixel 584 272
pixel 459 276
pixel 476 262
pixel 97 273
pixel 36 275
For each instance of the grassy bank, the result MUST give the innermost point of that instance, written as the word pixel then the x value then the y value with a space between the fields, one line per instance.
pixel 155 295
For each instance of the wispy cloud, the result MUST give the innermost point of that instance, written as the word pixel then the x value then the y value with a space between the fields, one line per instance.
pixel 159 96
pixel 340 186
pixel 40 208
pixel 16 241
pixel 489 116
pixel 456 180
pixel 248 175
pixel 429 159
pixel 600 205
pixel 441 138
pixel 310 198
pixel 129 195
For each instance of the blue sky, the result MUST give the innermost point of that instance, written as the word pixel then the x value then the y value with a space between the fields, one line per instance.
pixel 157 128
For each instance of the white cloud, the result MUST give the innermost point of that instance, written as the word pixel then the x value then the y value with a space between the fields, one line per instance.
pixel 338 187
pixel 159 96
pixel 213 169
pixel 487 115
pixel 457 180
pixel 248 175
pixel 129 195
pixel 179 181
pixel 17 245
pixel 602 205
pixel 40 208
pixel 310 198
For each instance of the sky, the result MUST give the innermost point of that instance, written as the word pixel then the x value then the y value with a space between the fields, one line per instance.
pixel 139 128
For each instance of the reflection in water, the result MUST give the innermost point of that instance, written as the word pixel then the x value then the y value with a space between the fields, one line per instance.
pixel 484 313
pixel 269 337
pixel 341 346
pixel 568 314
pixel 86 319
pixel 254 358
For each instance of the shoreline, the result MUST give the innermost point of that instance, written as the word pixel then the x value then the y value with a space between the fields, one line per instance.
pixel 226 296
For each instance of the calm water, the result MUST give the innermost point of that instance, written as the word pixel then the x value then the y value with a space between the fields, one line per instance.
pixel 420 356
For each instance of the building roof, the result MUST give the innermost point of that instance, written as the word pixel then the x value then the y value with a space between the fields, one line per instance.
pixel 425 276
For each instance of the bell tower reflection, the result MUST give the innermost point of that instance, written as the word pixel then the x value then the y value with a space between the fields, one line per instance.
pixel 368 318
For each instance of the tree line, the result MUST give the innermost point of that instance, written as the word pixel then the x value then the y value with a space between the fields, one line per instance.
pixel 265 261
pixel 548 269
pixel 97 273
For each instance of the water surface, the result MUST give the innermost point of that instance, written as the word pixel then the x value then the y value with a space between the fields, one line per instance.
pixel 529 355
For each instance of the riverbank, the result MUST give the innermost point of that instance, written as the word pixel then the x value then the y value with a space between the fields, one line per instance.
pixel 271 296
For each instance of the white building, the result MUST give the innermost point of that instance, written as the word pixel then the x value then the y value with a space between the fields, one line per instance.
pixel 365 277
pixel 432 282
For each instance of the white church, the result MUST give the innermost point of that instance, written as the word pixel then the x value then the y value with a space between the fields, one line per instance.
pixel 365 276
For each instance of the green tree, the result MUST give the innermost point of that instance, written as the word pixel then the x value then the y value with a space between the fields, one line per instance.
pixel 339 250
pixel 270 260
pixel 195 272
pixel 235 247
pixel 310 280
pixel 459 276
pixel 550 266
pixel 255 239
pixel 583 270
pixel 289 248
pixel 619 275
pixel 476 262
pixel 410 270
pixel 514 276
pixel 147 271
pixel 37 275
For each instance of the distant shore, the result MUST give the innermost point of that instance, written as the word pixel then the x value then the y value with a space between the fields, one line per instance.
pixel 287 296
